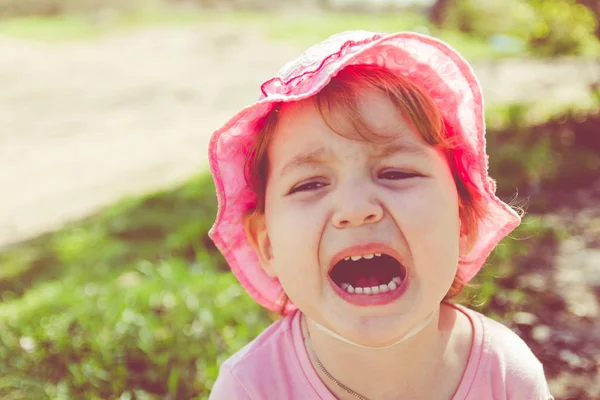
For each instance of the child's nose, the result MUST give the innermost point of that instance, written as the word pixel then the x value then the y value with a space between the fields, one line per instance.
pixel 356 211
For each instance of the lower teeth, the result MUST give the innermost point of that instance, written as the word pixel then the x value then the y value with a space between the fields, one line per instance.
pixel 391 286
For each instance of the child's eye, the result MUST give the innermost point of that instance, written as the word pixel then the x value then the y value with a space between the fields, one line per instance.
pixel 307 187
pixel 397 175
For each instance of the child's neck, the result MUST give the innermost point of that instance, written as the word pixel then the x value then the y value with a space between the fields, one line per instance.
pixel 428 366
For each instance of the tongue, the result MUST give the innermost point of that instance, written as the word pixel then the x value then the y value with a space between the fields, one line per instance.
pixel 367 281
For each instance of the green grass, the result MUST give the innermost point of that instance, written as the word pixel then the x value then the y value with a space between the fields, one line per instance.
pixel 148 227
pixel 79 27
pixel 303 30
pixel 307 30
pixel 43 28
pixel 133 301
pixel 501 116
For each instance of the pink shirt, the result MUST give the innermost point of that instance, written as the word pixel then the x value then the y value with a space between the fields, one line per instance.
pixel 276 366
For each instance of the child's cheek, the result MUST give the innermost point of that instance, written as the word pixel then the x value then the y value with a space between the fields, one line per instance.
pixel 294 231
pixel 427 216
pixel 425 206
pixel 293 222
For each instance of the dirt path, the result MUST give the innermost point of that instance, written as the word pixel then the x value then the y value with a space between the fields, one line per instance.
pixel 84 124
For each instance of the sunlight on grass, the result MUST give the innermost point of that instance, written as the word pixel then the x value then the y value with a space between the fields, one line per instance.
pixel 48 28
pixel 536 113
pixel 307 30
pixel 303 30
pixel 15 262
pixel 74 27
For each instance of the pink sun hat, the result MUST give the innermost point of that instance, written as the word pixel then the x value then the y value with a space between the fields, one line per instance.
pixel 432 64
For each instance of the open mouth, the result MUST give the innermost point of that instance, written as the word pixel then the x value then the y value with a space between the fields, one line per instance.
pixel 368 274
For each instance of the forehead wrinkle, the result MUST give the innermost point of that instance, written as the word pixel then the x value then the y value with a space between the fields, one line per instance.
pixel 397 148
pixel 320 155
pixel 312 157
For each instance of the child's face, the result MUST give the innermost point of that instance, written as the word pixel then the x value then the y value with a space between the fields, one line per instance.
pixel 327 193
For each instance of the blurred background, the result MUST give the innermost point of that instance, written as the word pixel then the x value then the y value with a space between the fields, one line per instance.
pixel 109 285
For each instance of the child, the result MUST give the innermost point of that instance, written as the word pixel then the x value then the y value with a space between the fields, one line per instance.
pixel 354 199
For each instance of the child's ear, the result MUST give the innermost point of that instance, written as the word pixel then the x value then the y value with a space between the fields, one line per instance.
pixel 256 232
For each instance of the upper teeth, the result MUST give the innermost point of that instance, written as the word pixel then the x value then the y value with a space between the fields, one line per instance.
pixel 367 256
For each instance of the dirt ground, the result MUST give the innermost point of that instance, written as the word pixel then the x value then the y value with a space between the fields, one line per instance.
pixel 83 124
